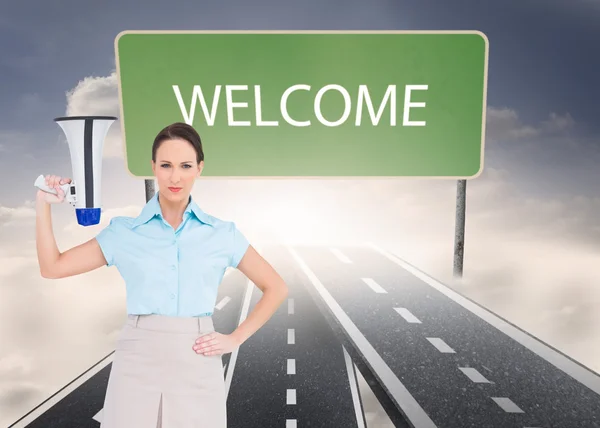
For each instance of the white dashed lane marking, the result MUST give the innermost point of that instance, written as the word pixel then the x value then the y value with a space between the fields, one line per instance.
pixel 291 366
pixel 407 315
pixel 341 256
pixel 441 345
pixel 223 302
pixel 507 405
pixel 474 375
pixel 291 397
pixel 376 287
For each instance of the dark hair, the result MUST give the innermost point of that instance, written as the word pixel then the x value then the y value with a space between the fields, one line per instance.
pixel 179 130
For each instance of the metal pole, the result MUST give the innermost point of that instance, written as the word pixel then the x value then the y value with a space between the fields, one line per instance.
pixel 149 184
pixel 459 237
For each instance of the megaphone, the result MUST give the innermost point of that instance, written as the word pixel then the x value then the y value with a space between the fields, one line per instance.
pixel 85 136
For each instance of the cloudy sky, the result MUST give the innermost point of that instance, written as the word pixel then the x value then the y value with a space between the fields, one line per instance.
pixel 532 232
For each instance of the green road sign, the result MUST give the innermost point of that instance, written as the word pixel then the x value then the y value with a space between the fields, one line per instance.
pixel 311 103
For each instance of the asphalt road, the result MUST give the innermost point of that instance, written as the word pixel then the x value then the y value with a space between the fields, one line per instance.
pixel 432 357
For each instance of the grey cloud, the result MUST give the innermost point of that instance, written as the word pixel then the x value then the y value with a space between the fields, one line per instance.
pixel 576 311
pixel 17 142
pixel 10 215
pixel 504 125
pixel 15 365
pixel 94 96
pixel 99 96
pixel 19 397
pixel 557 123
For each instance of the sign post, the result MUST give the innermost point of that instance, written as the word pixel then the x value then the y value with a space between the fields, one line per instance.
pixel 459 234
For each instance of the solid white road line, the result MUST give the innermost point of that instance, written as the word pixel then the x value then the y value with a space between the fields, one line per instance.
pixel 341 256
pixel 441 345
pixel 290 306
pixel 66 391
pixel 243 314
pixel 576 370
pixel 291 366
pixel 291 397
pixel 223 302
pixel 358 411
pixel 397 390
pixel 407 315
pixel 291 336
pixel 376 287
pixel 474 375
pixel 507 405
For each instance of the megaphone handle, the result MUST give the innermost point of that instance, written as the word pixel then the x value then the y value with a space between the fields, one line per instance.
pixel 40 183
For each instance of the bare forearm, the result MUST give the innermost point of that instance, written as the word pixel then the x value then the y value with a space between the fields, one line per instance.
pixel 47 250
pixel 262 312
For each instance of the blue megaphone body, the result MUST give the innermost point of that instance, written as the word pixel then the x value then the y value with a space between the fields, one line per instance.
pixel 85 136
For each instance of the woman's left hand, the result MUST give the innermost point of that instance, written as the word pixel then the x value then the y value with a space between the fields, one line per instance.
pixel 215 343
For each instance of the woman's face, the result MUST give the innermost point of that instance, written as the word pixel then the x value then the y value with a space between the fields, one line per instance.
pixel 176 167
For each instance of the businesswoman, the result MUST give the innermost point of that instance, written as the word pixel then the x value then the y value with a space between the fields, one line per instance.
pixel 167 370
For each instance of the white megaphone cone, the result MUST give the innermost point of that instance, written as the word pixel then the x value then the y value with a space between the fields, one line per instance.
pixel 85 136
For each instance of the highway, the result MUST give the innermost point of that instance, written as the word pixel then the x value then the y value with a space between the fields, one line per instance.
pixel 431 357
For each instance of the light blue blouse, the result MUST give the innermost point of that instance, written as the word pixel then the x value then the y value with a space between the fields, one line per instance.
pixel 172 272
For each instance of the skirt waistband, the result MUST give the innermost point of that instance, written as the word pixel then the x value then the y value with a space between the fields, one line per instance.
pixel 156 322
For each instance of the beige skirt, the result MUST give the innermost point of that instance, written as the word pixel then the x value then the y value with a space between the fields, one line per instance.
pixel 158 381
